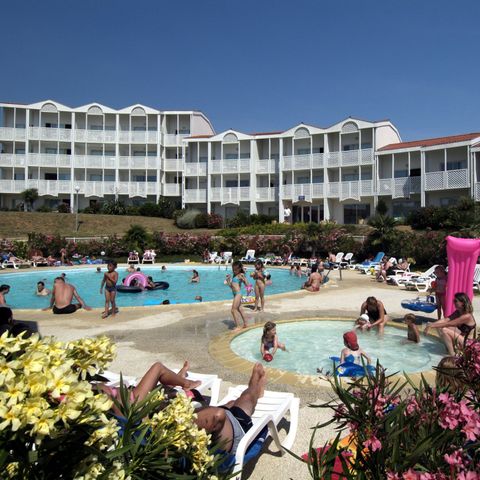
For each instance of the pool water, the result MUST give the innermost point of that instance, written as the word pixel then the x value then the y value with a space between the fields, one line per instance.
pixel 311 343
pixel 87 283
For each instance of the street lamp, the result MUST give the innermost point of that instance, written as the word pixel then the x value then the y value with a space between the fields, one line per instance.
pixel 77 189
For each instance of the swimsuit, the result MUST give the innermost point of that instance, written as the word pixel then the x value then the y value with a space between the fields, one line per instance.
pixel 114 392
pixel 239 282
pixel 72 308
pixel 241 424
pixel 466 329
pixel 268 344
pixel 111 288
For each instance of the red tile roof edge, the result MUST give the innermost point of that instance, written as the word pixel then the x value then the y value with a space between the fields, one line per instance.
pixel 431 141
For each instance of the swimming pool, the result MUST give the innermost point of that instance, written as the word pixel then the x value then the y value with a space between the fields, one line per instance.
pixel 311 343
pixel 87 282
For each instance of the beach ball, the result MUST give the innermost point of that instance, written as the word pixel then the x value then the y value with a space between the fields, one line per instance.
pixel 268 357
pixel 102 253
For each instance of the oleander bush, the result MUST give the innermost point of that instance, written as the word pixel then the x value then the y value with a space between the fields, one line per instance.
pixel 63 208
pixel 114 207
pixel 54 424
pixel 400 431
pixel 187 219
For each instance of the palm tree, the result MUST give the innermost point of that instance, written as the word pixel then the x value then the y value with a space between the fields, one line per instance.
pixel 29 197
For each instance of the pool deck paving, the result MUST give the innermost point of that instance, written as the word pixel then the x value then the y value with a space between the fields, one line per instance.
pixel 201 333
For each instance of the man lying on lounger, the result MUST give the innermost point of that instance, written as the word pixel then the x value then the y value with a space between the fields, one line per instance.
pixel 229 423
pixel 62 297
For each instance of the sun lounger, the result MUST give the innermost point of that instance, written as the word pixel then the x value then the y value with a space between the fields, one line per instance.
pixel 148 257
pixel 226 258
pixel 249 257
pixel 39 262
pixel 16 263
pixel 421 281
pixel 347 261
pixel 210 385
pixel 212 257
pixel 368 264
pixel 476 278
pixel 133 259
pixel 270 411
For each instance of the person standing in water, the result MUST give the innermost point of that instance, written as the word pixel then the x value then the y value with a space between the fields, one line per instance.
pixel 259 276
pixel 235 284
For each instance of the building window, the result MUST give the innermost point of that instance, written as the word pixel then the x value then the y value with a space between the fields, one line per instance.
pixel 303 151
pixel 19 176
pixel 353 213
pixel 455 165
pixel 64 176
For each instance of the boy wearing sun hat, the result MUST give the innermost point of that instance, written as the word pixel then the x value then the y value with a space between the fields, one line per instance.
pixel 352 351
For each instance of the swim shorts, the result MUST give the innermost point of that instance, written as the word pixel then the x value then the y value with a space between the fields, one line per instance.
pixel 72 308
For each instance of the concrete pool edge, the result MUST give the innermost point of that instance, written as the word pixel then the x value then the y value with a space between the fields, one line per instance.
pixel 219 348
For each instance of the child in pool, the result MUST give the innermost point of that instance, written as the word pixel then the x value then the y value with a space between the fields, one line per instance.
pixel 109 281
pixel 439 286
pixel 269 343
pixel 259 276
pixel 413 334
pixel 195 277
pixel 352 351
pixel 362 322
pixel 235 284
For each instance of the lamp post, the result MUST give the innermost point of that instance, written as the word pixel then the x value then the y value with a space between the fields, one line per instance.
pixel 77 189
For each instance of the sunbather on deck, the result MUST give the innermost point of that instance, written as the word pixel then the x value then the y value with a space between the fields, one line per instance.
pixel 229 423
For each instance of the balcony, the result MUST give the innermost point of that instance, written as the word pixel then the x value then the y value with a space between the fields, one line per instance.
pixel 49 160
pixel 50 187
pixel 139 163
pixel 12 186
pixel 46 133
pixel 173 165
pixel 230 195
pixel 237 165
pixel 265 165
pixel 95 161
pixel 399 187
pixel 195 195
pixel 303 162
pixel 171 189
pixel 195 169
pixel 12 160
pixel 445 180
pixel 10 133
pixel 350 190
pixel 266 194
pixel 97 189
pixel 477 191
pixel 173 140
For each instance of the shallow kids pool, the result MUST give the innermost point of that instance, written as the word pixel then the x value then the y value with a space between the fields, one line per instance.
pixel 87 282
pixel 311 343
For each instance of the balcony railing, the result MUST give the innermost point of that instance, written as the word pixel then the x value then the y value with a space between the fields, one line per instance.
pixel 193 169
pixel 446 179
pixel 401 187
pixel 303 162
pixel 171 189
pixel 139 163
pixel 266 194
pixel 12 160
pixel 477 192
pixel 303 191
pixel 173 164
pixel 46 133
pixel 173 140
pixel 237 165
pixel 231 195
pixel 10 133
pixel 350 190
pixel 265 165
pixel 195 195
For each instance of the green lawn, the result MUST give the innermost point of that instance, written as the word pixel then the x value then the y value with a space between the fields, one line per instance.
pixel 18 224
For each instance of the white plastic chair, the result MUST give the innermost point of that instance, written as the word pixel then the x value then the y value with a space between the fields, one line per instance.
pixel 212 257
pixel 133 259
pixel 421 281
pixel 476 278
pixel 347 261
pixel 249 257
pixel 226 258
pixel 270 411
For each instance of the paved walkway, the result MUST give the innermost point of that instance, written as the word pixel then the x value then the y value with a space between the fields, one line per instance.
pixel 172 333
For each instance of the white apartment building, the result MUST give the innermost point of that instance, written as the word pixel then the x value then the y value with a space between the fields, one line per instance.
pixel 93 152
pixel 137 154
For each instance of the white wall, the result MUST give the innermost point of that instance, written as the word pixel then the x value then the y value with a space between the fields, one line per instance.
pixel 200 126
pixel 385 135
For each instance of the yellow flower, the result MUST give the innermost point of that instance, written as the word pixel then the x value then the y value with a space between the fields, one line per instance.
pixel 37 383
pixel 32 409
pixel 11 417
pixel 9 344
pixel 45 423
pixel 7 370
pixel 15 391
pixel 34 362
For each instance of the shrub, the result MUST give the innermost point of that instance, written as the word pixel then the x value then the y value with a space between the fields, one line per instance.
pixel 44 209
pixel 150 209
pixel 241 219
pixel 179 213
pixel 63 208
pixel 381 208
pixel 57 426
pixel 136 237
pixel 94 208
pixel 168 206
pixel 201 220
pixel 214 220
pixel 132 210
pixel 114 207
pixel 187 220
pixel 419 433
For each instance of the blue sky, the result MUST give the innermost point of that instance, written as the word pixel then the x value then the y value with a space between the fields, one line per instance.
pixel 253 65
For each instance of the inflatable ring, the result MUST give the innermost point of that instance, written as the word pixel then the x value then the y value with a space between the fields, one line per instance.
pixel 248 300
pixel 419 306
pixel 159 286
pixel 126 289
pixel 350 369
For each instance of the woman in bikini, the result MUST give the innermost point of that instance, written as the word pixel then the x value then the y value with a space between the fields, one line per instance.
pixel 235 284
pixel 456 328
pixel 377 315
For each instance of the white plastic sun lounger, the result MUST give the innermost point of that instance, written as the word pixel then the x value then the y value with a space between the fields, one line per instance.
pixel 269 412
pixel 210 385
